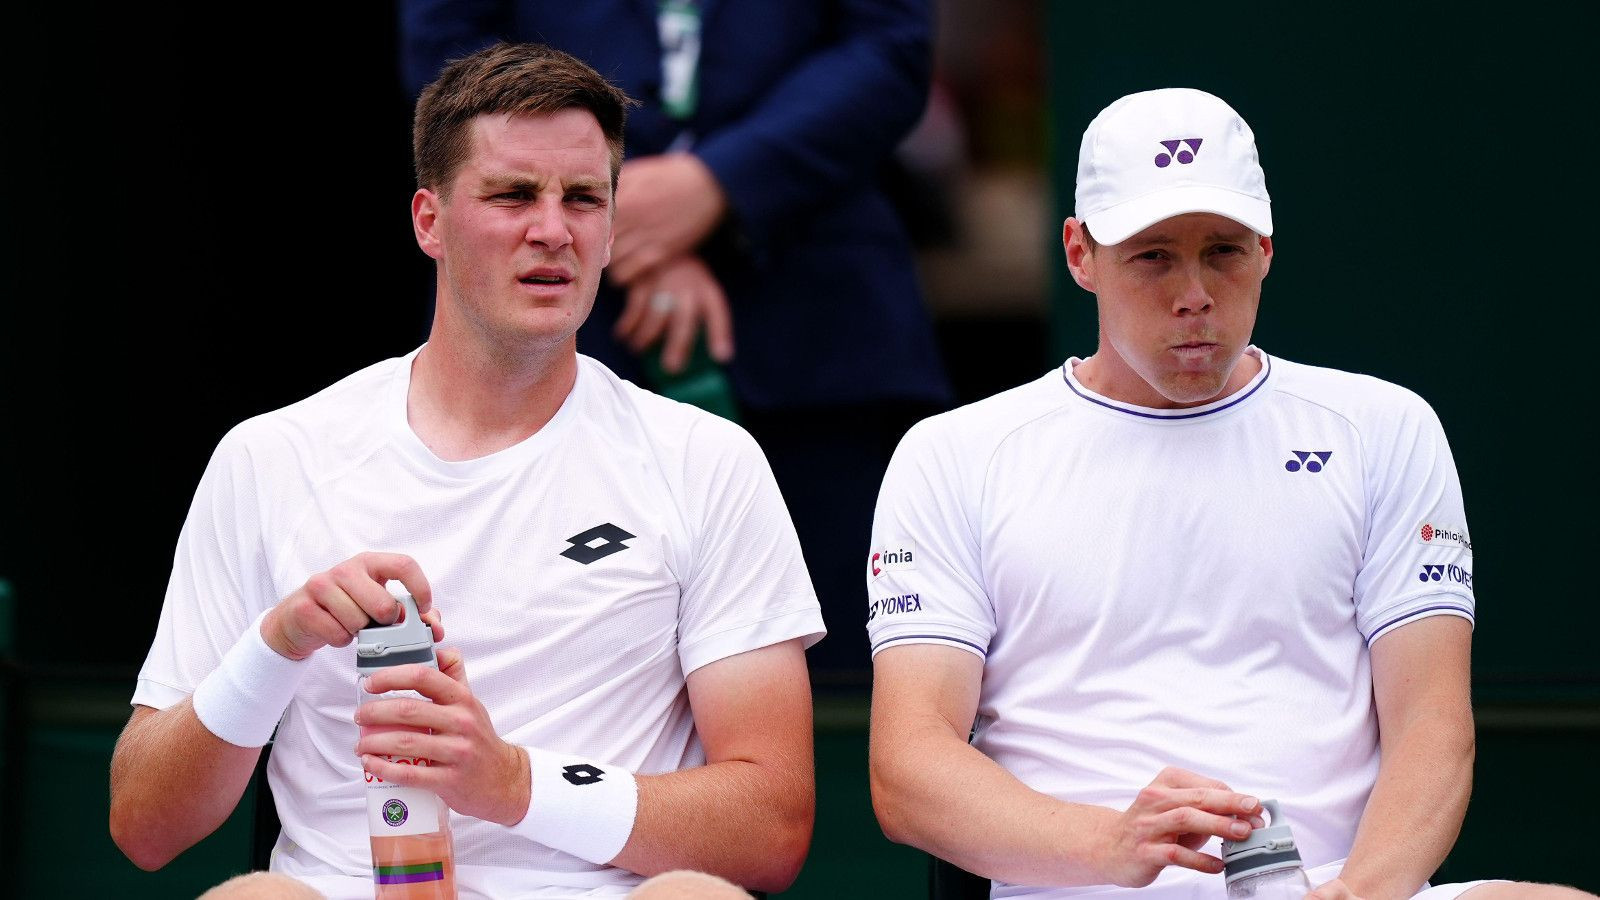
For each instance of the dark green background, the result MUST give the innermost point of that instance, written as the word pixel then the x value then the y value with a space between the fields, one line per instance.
pixel 1433 178
pixel 1433 173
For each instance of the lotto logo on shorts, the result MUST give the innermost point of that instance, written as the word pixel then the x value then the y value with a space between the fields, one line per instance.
pixel 1446 573
pixel 888 606
pixel 1191 149
pixel 892 559
pixel 1435 535
pixel 1302 460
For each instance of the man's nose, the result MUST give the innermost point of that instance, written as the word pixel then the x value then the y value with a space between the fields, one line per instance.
pixel 547 224
pixel 1193 296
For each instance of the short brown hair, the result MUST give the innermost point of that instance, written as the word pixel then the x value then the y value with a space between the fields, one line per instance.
pixel 520 79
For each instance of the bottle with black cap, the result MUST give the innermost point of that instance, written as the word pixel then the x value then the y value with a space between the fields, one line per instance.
pixel 409 827
pixel 1266 865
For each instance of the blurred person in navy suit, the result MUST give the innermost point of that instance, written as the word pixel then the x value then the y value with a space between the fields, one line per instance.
pixel 750 216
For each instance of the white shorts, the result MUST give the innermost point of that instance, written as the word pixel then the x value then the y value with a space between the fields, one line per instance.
pixel 1323 874
pixel 1450 891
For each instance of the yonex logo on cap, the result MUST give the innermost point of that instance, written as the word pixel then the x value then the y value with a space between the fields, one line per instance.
pixel 598 542
pixel 1302 459
pixel 1139 163
pixel 1184 157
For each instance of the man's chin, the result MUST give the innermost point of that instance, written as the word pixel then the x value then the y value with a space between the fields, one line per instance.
pixel 1193 388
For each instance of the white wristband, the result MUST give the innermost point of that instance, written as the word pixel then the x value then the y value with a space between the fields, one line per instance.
pixel 579 806
pixel 242 699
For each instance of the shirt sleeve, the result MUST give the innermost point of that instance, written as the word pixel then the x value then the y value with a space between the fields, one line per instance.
pixel 924 578
pixel 747 586
pixel 1418 557
pixel 220 579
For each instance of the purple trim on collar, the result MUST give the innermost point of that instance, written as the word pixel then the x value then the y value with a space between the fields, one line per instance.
pixel 1266 365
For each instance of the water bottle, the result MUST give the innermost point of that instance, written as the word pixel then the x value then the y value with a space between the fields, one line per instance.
pixel 412 854
pixel 1266 865
pixel 703 382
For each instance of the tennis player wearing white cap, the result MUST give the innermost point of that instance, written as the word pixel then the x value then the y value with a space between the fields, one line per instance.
pixel 1160 584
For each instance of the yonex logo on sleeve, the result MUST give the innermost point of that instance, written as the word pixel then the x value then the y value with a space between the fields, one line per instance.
pixel 1442 572
pixel 598 542
pixel 1184 157
pixel 888 606
pixel 1302 459
pixel 582 774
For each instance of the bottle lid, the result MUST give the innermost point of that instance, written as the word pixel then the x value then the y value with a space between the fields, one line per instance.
pixel 1267 849
pixel 409 640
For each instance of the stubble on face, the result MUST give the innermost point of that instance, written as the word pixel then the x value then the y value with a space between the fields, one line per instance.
pixel 1177 306
pixel 527 231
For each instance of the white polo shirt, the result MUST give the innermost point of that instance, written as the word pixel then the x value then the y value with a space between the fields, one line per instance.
pixel 1194 587
pixel 582 572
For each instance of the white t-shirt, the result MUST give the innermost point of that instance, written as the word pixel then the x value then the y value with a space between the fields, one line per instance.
pixel 1194 587
pixel 582 572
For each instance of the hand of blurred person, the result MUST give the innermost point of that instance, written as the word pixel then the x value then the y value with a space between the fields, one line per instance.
pixel 671 301
pixel 666 205
pixel 332 606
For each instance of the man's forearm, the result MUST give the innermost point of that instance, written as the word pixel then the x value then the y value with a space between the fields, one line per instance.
pixel 172 783
pixel 1415 811
pixel 954 802
pixel 746 822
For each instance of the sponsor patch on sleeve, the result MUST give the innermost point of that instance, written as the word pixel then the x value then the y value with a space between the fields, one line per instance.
pixel 1435 534
pixel 889 606
pixel 1439 572
pixel 891 557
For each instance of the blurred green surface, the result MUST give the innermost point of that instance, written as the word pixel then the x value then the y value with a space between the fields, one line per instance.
pixel 65 849
pixel 1529 759
pixel 1528 818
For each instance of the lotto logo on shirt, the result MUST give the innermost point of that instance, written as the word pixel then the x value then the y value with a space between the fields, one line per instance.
pixel 1434 534
pixel 888 606
pixel 892 558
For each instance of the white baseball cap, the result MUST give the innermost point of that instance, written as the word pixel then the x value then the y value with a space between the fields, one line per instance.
pixel 1157 154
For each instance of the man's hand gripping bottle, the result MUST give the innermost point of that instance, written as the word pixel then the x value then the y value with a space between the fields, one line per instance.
pixel 412 855
pixel 1266 865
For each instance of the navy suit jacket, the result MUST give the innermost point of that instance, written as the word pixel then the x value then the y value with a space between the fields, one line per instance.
pixel 800 104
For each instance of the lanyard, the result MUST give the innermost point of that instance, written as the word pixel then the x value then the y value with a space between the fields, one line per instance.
pixel 678 22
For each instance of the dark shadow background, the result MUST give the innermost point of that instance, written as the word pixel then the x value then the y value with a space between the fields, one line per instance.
pixel 219 228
